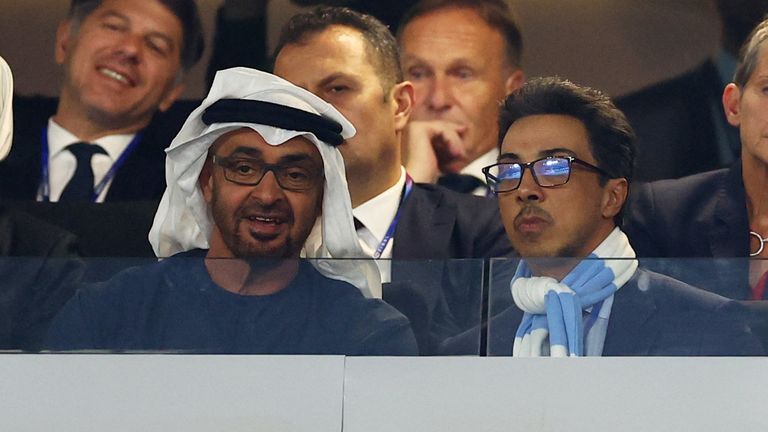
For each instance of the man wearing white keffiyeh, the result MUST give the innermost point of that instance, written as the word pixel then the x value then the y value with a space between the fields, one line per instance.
pixel 561 179
pixel 250 174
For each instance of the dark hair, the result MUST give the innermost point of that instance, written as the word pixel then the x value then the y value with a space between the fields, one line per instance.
pixel 380 43
pixel 748 56
pixel 611 139
pixel 496 13
pixel 186 11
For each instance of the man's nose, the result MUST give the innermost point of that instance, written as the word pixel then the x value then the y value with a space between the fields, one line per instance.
pixel 131 47
pixel 440 94
pixel 268 190
pixel 529 190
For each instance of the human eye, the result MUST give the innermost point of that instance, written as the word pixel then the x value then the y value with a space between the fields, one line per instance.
pixel 242 169
pixel 416 73
pixel 114 24
pixel 463 73
pixel 557 169
pixel 296 177
pixel 508 171
pixel 338 88
pixel 243 166
pixel 296 173
pixel 158 45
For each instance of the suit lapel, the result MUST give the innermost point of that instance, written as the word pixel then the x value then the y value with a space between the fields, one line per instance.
pixel 729 235
pixel 627 332
pixel 424 230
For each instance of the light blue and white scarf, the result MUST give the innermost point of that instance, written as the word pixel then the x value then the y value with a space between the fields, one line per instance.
pixel 553 310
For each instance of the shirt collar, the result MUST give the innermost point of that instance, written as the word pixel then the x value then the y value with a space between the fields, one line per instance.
pixel 377 213
pixel 59 138
pixel 475 168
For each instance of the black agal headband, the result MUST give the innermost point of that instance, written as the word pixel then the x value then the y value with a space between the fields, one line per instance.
pixel 272 114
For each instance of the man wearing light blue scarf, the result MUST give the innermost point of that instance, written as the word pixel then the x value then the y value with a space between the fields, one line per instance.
pixel 562 179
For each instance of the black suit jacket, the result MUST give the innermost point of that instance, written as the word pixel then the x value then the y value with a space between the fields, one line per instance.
pixel 700 216
pixel 38 274
pixel 675 125
pixel 653 315
pixel 438 271
pixel 142 176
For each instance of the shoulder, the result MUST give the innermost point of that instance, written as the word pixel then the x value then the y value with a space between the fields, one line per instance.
pixel 672 217
pixel 139 284
pixel 30 107
pixel 695 186
pixel 439 195
pixel 345 299
pixel 669 317
pixel 25 235
pixel 370 326
pixel 475 222
pixel 671 294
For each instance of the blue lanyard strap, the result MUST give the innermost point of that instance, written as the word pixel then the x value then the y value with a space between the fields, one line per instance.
pixel 45 182
pixel 391 230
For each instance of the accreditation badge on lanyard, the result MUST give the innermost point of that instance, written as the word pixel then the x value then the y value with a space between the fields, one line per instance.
pixel 391 230
pixel 45 181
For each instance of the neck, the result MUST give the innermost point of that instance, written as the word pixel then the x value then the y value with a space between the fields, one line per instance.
pixel 92 126
pixel 366 186
pixel 755 177
pixel 257 277
pixel 556 268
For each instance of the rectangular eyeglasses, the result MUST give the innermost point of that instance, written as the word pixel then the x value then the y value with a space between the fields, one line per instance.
pixel 547 172
pixel 250 172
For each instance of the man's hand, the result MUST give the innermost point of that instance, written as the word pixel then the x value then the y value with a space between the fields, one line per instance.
pixel 431 148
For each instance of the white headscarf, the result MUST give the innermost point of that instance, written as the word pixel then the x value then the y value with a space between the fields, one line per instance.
pixel 183 220
pixel 6 111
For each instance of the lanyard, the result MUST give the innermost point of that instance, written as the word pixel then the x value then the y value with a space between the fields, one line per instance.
pixel 391 230
pixel 45 183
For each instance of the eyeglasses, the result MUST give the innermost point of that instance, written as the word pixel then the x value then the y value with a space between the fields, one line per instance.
pixel 547 172
pixel 250 172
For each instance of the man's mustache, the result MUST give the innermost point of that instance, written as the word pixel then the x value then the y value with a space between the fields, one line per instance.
pixel 533 211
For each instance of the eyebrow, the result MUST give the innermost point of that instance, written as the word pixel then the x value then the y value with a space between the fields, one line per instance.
pixel 258 154
pixel 246 151
pixel 153 33
pixel 334 76
pixel 296 157
pixel 542 154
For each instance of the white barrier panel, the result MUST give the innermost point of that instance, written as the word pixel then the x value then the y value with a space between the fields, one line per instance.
pixel 305 393
pixel 591 395
pixel 170 393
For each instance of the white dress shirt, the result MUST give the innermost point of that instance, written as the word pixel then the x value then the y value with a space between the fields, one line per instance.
pixel 377 215
pixel 475 169
pixel 62 163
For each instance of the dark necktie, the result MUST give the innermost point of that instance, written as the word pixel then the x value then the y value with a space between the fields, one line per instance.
pixel 460 182
pixel 80 186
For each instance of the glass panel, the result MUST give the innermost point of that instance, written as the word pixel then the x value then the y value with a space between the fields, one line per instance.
pixel 658 311
pixel 180 305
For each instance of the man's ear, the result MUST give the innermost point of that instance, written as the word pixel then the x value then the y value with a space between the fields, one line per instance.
pixel 731 102
pixel 171 97
pixel 205 180
pixel 402 93
pixel 514 81
pixel 615 194
pixel 63 37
